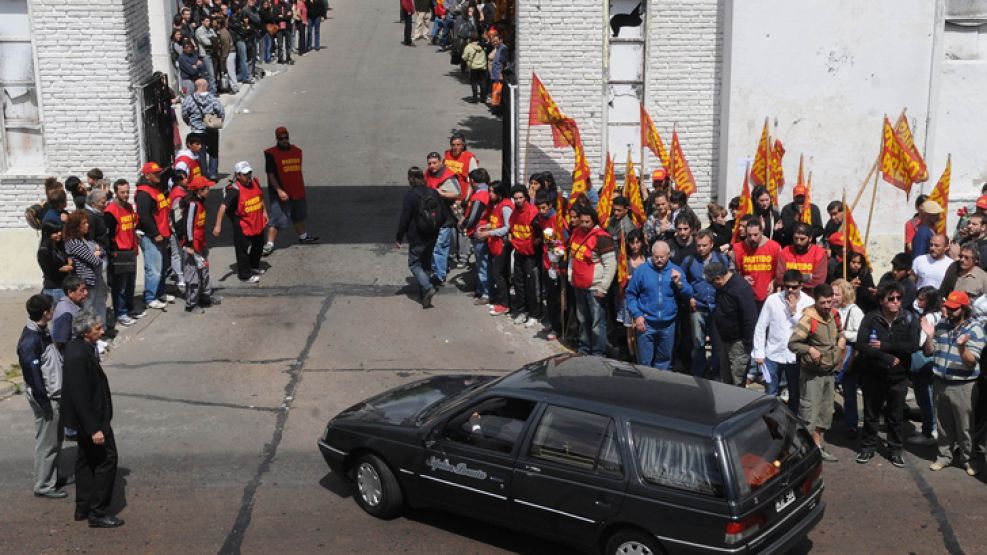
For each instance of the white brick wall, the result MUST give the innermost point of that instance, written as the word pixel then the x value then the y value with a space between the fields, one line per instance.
pixel 91 57
pixel 563 42
pixel 19 192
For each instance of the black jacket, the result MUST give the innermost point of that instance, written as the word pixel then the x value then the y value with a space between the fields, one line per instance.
pixel 735 314
pixel 789 217
pixel 51 257
pixel 98 231
pixel 146 209
pixel 86 404
pixel 899 338
pixel 406 225
pixel 30 348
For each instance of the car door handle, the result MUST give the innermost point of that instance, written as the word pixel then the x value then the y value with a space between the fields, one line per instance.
pixel 603 504
pixel 530 468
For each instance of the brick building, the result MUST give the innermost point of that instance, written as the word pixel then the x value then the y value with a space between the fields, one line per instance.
pixel 823 71
pixel 71 73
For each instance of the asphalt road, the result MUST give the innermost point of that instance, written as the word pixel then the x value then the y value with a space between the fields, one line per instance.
pixel 217 416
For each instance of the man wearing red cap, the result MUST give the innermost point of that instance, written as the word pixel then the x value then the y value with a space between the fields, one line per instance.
pixel 195 253
pixel 286 189
pixel 660 183
pixel 152 222
pixel 791 214
pixel 955 344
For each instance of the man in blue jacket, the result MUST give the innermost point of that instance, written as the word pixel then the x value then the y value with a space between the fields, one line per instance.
pixel 652 296
pixel 702 304
pixel 43 379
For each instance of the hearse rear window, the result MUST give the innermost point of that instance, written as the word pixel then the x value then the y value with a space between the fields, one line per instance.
pixel 677 460
pixel 765 448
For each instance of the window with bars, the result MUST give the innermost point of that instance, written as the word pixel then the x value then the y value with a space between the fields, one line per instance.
pixel 625 78
pixel 20 119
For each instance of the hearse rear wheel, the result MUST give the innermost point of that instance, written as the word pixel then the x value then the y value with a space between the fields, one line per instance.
pixel 632 542
pixel 377 490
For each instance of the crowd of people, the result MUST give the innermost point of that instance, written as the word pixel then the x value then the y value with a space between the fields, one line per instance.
pixel 473 32
pixel 222 41
pixel 89 251
pixel 776 296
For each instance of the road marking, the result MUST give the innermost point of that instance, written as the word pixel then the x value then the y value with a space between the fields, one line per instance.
pixel 949 538
pixel 194 402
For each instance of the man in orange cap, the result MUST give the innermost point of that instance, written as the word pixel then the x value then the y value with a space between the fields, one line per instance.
pixel 955 344
pixel 195 252
pixel 791 214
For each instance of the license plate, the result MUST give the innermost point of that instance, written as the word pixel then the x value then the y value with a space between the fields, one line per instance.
pixel 787 499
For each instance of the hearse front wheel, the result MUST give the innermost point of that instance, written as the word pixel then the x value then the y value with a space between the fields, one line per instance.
pixel 377 490
pixel 632 542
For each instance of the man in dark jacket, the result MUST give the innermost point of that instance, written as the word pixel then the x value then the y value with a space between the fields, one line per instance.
pixel 886 339
pixel 735 316
pixel 42 370
pixel 150 200
pixel 88 408
pixel 420 242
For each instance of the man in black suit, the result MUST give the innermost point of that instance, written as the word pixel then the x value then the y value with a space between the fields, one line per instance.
pixel 87 407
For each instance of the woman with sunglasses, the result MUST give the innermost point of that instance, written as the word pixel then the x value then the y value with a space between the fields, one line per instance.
pixel 887 338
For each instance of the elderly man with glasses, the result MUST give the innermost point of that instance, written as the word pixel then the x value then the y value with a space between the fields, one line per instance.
pixel 886 339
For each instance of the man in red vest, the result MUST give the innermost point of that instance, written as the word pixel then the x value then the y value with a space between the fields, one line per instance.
pixel 756 260
pixel 439 177
pixel 152 221
pixel 460 162
pixel 526 240
pixel 121 226
pixel 195 253
pixel 592 266
pixel 286 189
pixel 243 202
pixel 806 257
pixel 187 159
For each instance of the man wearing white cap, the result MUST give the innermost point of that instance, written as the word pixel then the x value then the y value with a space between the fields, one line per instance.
pixel 243 202
pixel 930 214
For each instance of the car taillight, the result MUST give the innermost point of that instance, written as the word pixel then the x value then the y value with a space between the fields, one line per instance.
pixel 739 530
pixel 812 479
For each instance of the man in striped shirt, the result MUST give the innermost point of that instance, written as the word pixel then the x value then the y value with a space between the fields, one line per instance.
pixel 958 342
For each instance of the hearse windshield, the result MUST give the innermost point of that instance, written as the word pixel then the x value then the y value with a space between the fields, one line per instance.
pixel 765 448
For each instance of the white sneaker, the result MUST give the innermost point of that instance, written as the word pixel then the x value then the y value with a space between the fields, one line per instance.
pixel 521 319
pixel 170 299
pixel 530 322
pixel 101 346
pixel 157 304
pixel 258 271
pixel 126 321
pixel 252 279
pixel 138 315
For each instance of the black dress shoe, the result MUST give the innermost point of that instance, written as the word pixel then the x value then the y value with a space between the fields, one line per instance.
pixel 104 522
pixel 53 494
pixel 79 517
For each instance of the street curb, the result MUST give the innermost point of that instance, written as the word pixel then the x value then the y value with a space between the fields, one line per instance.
pixel 9 389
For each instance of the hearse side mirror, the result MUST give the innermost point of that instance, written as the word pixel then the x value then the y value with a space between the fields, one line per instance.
pixel 431 436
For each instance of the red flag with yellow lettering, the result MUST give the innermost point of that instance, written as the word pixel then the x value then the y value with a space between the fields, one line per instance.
pixel 899 165
pixel 623 276
pixel 746 206
pixel 777 173
pixel 632 190
pixel 904 132
pixel 807 207
pixel 759 171
pixel 680 171
pixel 940 194
pixel 580 174
pixel 651 139
pixel 561 216
pixel 605 206
pixel 853 239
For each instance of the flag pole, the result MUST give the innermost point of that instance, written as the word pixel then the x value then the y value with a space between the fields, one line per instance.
pixel 767 161
pixel 870 213
pixel 863 186
pixel 527 149
pixel 843 231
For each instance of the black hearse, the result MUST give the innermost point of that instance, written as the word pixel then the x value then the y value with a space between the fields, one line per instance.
pixel 603 455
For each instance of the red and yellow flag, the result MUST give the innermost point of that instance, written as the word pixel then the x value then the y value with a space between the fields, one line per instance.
pixel 680 171
pixel 605 206
pixel 776 173
pixel 807 207
pixel 759 171
pixel 904 132
pixel 940 194
pixel 746 206
pixel 632 190
pixel 650 139
pixel 561 217
pixel 900 166
pixel 623 276
pixel 542 109
pixel 853 238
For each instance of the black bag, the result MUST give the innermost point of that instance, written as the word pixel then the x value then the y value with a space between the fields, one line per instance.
pixel 123 262
pixel 431 213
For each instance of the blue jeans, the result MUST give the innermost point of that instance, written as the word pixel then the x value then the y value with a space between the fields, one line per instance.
pixel 314 31
pixel 153 260
pixel 243 70
pixel 482 268
pixel 210 74
pixel 922 385
pixel 122 288
pixel 55 294
pixel 702 326
pixel 440 255
pixel 851 384
pixel 266 48
pixel 419 258
pixel 791 372
pixel 591 314
pixel 654 346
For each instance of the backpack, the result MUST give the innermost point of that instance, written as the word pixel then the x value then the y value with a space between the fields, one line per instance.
pixel 431 213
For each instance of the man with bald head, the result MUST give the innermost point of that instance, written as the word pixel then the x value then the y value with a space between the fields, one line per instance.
pixel 652 297
pixel 930 268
